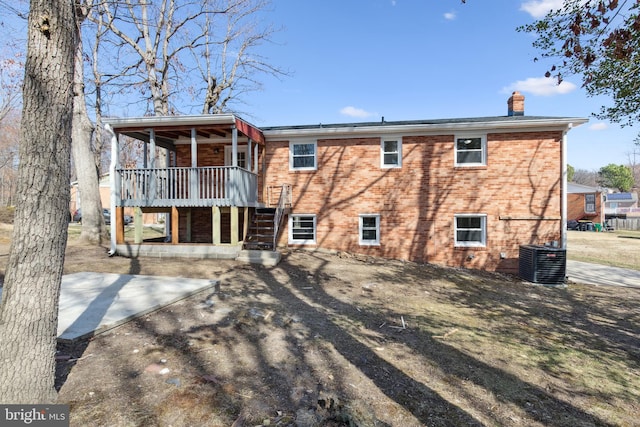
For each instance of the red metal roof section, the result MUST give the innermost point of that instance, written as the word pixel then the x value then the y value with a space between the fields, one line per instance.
pixel 252 132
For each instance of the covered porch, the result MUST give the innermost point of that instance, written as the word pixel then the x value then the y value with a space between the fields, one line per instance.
pixel 202 172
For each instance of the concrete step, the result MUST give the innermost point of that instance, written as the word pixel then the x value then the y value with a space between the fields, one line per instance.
pixel 267 258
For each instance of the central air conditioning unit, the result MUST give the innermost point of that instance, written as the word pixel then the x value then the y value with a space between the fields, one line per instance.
pixel 543 264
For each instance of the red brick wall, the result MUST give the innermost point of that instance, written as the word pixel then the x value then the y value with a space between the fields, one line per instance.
pixel 206 155
pixel 518 190
pixel 576 205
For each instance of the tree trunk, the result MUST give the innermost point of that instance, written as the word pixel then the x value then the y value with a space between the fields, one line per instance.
pixel 29 308
pixel 93 225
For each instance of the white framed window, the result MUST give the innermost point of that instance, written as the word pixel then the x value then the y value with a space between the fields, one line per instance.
pixel 470 230
pixel 303 155
pixel 590 203
pixel 391 152
pixel 369 229
pixel 471 150
pixel 302 229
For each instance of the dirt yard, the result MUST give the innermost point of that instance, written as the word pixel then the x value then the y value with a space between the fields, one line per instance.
pixel 338 340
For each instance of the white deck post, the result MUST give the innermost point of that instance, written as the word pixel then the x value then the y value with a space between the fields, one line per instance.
pixel 114 184
pixel 152 164
pixel 193 176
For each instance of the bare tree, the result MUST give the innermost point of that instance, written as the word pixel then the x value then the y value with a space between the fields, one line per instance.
pixel 586 177
pixel 634 163
pixel 84 157
pixel 173 55
pixel 11 66
pixel 9 131
pixel 229 70
pixel 29 307
pixel 10 81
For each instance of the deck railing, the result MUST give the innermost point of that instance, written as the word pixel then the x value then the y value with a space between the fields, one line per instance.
pixel 187 187
pixel 283 201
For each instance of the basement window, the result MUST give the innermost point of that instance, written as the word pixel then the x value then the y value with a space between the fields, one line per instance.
pixel 470 230
pixel 302 229
pixel 369 230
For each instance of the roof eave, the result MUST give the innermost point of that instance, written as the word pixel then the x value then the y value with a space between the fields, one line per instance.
pixel 561 123
pixel 154 121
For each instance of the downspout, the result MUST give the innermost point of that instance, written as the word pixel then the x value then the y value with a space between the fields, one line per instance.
pixel 563 189
pixel 112 185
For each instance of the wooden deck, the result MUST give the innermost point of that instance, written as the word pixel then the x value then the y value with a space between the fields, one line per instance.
pixel 186 187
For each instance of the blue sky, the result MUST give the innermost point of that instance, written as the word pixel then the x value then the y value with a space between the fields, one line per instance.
pixel 360 60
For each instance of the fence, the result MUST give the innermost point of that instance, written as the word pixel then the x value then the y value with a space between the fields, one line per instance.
pixel 625 224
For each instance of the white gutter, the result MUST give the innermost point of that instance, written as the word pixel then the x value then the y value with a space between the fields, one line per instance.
pixel 333 131
pixel 112 185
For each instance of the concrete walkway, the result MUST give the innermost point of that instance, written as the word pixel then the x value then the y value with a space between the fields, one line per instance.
pixel 597 274
pixel 91 303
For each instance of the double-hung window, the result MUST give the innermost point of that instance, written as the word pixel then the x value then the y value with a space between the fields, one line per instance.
pixel 369 229
pixel 471 150
pixel 470 230
pixel 391 152
pixel 302 229
pixel 590 203
pixel 303 155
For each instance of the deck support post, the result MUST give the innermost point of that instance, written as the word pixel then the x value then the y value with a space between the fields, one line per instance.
pixel 234 225
pixel 137 225
pixel 215 225
pixel 119 220
pixel 187 238
pixel 175 238
pixel 245 223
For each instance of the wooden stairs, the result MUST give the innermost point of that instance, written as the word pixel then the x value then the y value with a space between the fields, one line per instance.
pixel 260 235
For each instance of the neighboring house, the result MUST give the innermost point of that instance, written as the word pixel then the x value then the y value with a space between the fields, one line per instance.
pixel 457 192
pixel 104 186
pixel 621 205
pixel 585 203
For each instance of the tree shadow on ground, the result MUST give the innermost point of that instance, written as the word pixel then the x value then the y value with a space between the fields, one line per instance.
pixel 418 398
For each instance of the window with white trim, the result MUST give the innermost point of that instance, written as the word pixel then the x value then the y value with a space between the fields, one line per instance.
pixel 590 203
pixel 369 229
pixel 470 230
pixel 302 229
pixel 471 150
pixel 303 155
pixel 391 152
pixel 242 156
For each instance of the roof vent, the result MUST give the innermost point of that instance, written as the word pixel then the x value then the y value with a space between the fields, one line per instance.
pixel 515 104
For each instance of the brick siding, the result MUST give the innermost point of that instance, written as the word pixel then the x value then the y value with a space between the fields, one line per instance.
pixel 518 190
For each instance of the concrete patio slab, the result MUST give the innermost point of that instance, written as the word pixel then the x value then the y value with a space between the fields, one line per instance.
pixel 91 303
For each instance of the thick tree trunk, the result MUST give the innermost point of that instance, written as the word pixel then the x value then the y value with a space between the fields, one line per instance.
pixel 93 226
pixel 29 308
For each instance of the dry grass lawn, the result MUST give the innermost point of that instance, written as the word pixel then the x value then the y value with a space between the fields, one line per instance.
pixel 334 339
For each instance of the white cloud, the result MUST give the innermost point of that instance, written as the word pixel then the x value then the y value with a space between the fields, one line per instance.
pixel 450 16
pixel 539 8
pixel 356 112
pixel 599 126
pixel 393 2
pixel 541 86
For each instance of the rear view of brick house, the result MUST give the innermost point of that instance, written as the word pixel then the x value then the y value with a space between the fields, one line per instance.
pixel 458 192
